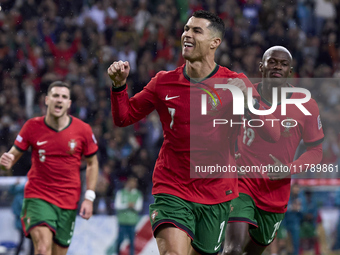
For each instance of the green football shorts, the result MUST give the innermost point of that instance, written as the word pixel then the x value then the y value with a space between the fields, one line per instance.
pixel 263 225
pixel 204 224
pixel 37 212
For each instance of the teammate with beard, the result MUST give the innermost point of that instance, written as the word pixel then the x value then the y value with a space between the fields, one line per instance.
pixel 52 192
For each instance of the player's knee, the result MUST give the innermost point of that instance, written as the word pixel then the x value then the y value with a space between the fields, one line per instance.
pixel 42 246
pixel 43 250
pixel 232 250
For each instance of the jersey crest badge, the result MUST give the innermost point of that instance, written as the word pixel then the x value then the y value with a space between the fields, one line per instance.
pixel 213 102
pixel 154 215
pixel 72 144
pixel 289 123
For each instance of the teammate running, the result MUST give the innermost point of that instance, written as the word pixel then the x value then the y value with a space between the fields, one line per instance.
pixel 53 190
pixel 263 200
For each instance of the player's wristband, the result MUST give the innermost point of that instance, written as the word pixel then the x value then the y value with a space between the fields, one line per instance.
pixel 90 195
pixel 118 89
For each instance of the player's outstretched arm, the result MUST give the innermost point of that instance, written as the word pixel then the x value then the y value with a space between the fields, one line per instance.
pixel 277 164
pixel 8 159
pixel 312 156
pixel 312 135
pixel 86 208
pixel 118 72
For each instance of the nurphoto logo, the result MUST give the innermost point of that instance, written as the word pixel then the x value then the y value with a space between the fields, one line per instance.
pixel 238 100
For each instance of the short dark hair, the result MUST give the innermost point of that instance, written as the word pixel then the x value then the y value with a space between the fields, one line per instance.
pixel 215 21
pixel 58 84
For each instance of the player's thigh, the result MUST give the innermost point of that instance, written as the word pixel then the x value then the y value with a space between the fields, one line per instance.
pixel 236 237
pixel 58 250
pixel 268 225
pixel 173 223
pixel 193 252
pixel 172 240
pixel 65 227
pixel 42 238
pixel 253 248
pixel 210 227
pixel 38 213
pixel 241 219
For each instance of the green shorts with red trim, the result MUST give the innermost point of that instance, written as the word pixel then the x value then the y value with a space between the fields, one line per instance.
pixel 263 225
pixel 37 212
pixel 204 224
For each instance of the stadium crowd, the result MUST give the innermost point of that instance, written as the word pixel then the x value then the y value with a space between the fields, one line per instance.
pixel 75 41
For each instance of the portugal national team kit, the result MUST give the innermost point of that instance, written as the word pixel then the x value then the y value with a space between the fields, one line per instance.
pixel 171 94
pixel 263 202
pixel 195 202
pixel 56 155
pixel 270 195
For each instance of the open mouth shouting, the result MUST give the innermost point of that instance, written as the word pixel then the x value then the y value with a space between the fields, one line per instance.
pixel 188 45
pixel 58 108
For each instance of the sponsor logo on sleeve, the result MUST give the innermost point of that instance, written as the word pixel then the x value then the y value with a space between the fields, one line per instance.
pixel 94 139
pixel 319 123
pixel 19 138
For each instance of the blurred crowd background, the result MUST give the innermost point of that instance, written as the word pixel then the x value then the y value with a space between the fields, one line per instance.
pixel 75 41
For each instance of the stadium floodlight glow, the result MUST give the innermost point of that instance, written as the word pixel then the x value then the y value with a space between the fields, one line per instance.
pixel 238 100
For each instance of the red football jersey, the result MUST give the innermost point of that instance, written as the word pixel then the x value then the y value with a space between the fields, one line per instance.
pixel 271 195
pixel 56 157
pixel 190 140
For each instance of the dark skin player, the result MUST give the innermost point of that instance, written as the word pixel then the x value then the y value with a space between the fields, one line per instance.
pixel 275 68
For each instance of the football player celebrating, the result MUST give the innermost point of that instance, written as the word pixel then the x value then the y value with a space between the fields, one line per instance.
pixel 188 216
pixel 260 208
pixel 52 192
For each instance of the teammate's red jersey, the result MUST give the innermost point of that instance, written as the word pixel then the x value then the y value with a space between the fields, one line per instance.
pixel 271 195
pixel 190 139
pixel 56 157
